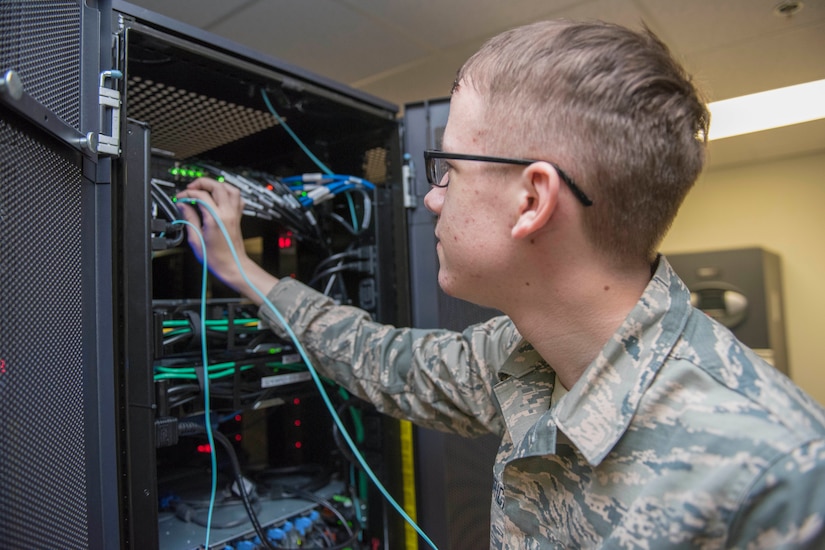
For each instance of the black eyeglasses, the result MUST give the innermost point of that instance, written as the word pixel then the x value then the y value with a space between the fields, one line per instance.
pixel 437 167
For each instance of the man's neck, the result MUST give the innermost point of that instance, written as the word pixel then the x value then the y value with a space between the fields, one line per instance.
pixel 571 322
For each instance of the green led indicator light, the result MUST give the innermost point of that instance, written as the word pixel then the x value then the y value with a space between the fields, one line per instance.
pixel 187 172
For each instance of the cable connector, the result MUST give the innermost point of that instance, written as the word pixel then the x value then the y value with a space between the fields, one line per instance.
pixel 368 259
pixel 166 431
pixel 246 485
pixel 161 230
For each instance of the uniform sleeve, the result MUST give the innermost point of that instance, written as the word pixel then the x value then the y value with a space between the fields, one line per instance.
pixel 785 509
pixel 438 379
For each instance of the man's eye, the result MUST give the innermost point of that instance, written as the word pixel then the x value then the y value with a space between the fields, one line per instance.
pixel 442 169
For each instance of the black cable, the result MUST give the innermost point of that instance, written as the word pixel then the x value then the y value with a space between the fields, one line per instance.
pixel 319 478
pixel 164 202
pixel 335 257
pixel 182 337
pixel 180 401
pixel 339 440
pixel 169 209
pixel 192 428
pixel 350 266
pixel 186 511
pixel 344 223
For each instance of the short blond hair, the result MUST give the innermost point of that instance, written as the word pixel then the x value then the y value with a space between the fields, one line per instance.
pixel 612 107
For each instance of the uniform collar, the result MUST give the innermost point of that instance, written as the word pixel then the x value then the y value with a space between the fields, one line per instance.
pixel 523 394
pixel 597 410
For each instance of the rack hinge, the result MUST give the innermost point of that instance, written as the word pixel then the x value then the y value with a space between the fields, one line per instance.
pixel 108 143
pixel 408 182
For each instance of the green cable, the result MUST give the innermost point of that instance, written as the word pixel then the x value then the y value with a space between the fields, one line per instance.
pixel 208 322
pixel 215 370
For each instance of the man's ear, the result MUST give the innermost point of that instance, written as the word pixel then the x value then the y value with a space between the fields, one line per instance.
pixel 538 199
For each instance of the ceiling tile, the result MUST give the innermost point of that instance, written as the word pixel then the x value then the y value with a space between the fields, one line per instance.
pixel 704 25
pixel 439 24
pixel 198 13
pixel 322 36
pixel 761 64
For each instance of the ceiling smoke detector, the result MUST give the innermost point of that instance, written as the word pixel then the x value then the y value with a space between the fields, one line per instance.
pixel 788 8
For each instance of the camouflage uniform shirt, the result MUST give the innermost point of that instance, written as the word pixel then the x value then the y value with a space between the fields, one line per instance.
pixel 675 436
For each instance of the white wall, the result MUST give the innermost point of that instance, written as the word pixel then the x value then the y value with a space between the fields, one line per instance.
pixel 780 206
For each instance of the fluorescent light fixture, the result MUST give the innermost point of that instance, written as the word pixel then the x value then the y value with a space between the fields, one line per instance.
pixel 766 110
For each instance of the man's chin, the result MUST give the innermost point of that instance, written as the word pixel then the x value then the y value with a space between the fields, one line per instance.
pixel 444 284
pixel 449 287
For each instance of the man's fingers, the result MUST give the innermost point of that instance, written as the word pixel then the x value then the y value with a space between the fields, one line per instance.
pixel 220 195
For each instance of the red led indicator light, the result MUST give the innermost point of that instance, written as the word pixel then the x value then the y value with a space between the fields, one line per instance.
pixel 298 445
pixel 285 240
pixel 238 437
pixel 297 423
pixel 204 448
pixel 296 401
pixel 238 418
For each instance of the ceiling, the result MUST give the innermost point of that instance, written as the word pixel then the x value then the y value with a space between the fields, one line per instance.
pixel 406 51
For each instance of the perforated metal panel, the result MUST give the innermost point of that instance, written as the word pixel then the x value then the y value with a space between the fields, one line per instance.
pixel 41 41
pixel 43 472
pixel 375 165
pixel 187 123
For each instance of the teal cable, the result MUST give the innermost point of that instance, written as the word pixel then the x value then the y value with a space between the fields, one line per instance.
pixel 206 404
pixel 351 204
pixel 316 378
pixel 297 140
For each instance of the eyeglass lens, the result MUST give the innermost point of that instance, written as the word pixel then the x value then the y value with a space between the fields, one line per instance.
pixel 436 172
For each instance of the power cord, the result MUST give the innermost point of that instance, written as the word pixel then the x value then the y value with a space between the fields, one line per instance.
pixel 192 428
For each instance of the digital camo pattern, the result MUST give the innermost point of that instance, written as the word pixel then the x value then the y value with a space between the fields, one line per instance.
pixel 676 436
pixel 436 378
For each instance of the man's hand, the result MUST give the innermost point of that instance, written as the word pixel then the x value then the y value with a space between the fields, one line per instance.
pixel 206 196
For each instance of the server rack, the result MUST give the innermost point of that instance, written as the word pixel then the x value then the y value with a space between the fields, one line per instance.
pixel 118 110
pixel 198 104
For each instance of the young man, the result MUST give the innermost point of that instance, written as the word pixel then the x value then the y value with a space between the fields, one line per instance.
pixel 628 418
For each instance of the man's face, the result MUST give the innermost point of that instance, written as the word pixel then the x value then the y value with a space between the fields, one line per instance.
pixel 472 228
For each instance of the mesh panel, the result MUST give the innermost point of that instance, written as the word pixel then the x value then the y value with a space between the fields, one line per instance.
pixel 375 165
pixel 43 474
pixel 41 41
pixel 186 123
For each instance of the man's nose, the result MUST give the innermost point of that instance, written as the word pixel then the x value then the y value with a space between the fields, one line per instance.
pixel 434 199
